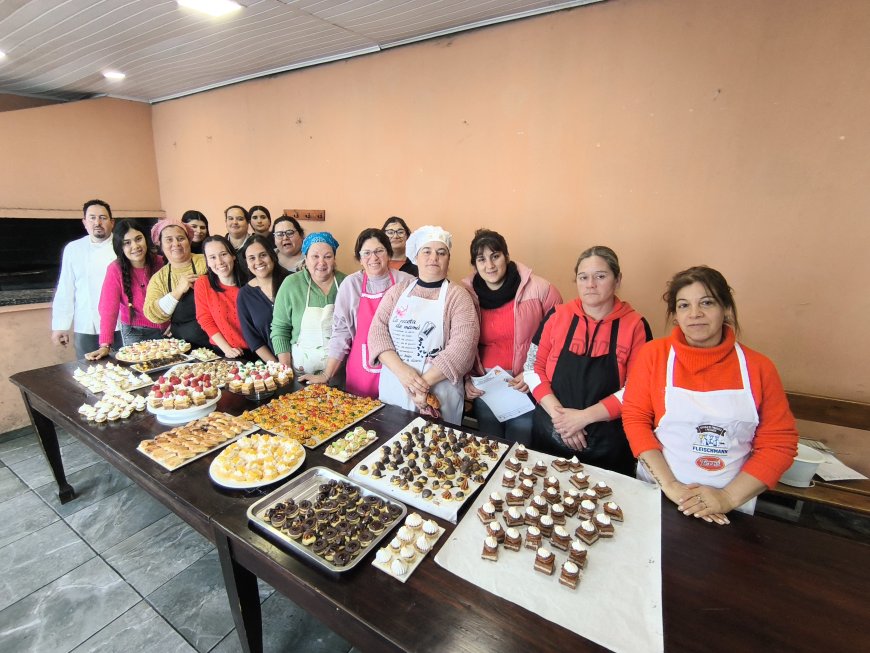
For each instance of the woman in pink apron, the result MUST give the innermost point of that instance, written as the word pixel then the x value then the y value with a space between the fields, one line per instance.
pixel 706 416
pixel 355 306
pixel 425 333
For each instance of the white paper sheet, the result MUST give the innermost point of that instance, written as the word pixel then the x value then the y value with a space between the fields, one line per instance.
pixel 504 402
pixel 834 470
pixel 618 601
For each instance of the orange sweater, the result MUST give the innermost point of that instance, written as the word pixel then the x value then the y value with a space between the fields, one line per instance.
pixel 716 368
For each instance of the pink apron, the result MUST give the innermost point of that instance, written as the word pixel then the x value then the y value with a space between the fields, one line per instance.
pixel 361 378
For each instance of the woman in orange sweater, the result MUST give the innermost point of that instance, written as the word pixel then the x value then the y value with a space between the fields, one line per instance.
pixel 707 417
pixel 216 295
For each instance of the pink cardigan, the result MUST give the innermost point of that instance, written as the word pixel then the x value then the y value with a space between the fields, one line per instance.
pixel 535 297
pixel 461 328
pixel 113 301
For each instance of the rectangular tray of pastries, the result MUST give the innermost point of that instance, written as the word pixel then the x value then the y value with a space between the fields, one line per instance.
pixel 325 518
pixel 431 467
pixel 312 415
pixel 182 445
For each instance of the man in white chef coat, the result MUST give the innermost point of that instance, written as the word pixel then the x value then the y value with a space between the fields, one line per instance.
pixel 82 271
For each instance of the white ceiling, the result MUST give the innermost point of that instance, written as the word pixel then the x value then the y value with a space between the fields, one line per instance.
pixel 60 48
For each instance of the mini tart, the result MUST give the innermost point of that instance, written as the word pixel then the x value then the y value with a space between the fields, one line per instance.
pixel 513 517
pixel 578 554
pixel 512 464
pixel 579 480
pixel 560 538
pixel 512 539
pixel 486 513
pixel 587 532
pixel 490 549
pixel 570 574
pixel 560 464
pixel 602 489
pixel 545 561
pixel 533 538
pixel 613 510
pixel 604 525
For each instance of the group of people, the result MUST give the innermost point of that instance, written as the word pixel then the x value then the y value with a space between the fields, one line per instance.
pixel 704 416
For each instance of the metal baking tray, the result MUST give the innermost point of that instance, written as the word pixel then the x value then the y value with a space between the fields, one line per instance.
pixel 305 486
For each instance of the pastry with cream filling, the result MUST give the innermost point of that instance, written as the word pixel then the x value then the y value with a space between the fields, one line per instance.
pixel 545 561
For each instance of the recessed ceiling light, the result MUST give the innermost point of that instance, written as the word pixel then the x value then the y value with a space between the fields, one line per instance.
pixel 214 8
pixel 114 75
pixel 2 54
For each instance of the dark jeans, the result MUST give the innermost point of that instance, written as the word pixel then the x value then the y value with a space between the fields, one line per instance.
pixel 88 342
pixel 132 334
pixel 517 429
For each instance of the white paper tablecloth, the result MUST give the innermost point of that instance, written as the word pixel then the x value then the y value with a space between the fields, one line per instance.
pixel 618 601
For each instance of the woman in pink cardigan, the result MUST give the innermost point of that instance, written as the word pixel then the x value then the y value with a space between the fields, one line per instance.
pixel 511 303
pixel 124 289
pixel 425 333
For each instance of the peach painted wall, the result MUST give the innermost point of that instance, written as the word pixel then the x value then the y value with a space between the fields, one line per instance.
pixel 678 132
pixel 56 157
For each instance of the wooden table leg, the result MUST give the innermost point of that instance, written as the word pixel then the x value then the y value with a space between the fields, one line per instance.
pixel 47 434
pixel 244 597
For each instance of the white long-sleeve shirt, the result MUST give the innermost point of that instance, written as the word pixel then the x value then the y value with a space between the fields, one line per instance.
pixel 77 298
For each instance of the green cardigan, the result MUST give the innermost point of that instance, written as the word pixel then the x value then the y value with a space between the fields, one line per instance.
pixel 290 305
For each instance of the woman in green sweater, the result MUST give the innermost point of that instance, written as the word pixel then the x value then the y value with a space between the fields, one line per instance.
pixel 302 319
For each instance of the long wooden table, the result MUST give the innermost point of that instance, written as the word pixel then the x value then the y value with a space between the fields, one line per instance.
pixel 757 582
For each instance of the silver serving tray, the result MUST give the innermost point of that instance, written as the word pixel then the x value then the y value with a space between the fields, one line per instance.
pixel 305 486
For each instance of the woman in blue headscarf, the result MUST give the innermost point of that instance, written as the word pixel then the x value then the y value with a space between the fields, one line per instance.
pixel 302 319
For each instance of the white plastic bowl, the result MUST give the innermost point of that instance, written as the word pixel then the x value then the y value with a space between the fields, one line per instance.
pixel 804 467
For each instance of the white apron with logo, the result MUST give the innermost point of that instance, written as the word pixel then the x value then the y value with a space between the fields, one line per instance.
pixel 310 351
pixel 417 331
pixel 707 436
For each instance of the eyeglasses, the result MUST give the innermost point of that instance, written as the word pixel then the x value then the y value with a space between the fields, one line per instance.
pixel 285 234
pixel 395 232
pixel 366 253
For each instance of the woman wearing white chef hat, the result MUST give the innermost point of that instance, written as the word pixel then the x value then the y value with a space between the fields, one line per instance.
pixel 425 333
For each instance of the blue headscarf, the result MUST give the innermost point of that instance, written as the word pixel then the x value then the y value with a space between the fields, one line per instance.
pixel 319 237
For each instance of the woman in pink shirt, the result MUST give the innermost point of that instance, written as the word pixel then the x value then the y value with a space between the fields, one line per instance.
pixel 124 288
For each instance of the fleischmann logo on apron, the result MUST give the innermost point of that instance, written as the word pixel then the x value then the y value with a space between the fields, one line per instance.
pixel 710 440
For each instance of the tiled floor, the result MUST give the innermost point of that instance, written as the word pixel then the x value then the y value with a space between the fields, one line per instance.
pixel 76 578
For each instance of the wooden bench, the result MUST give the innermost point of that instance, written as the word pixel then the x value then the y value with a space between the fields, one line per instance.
pixel 846 495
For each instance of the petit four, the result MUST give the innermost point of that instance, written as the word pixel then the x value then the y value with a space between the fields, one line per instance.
pixel 579 480
pixel 540 468
pixel 569 575
pixel 560 538
pixel 494 529
pixel 533 538
pixel 486 512
pixel 531 516
pixel 512 539
pixel 577 553
pixel 496 500
pixel 545 561
pixel 560 464
pixel 557 513
pixel 546 525
pixel 516 497
pixel 509 479
pixel 602 489
pixel 521 453
pixel 575 465
pixel 512 464
pixel 513 517
pixel 587 532
pixel 587 509
pixel 527 487
pixel 540 503
pixel 613 510
pixel 551 482
pixel 604 525
pixel 490 549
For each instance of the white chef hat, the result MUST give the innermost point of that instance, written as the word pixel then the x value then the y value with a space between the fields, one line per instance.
pixel 426 234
